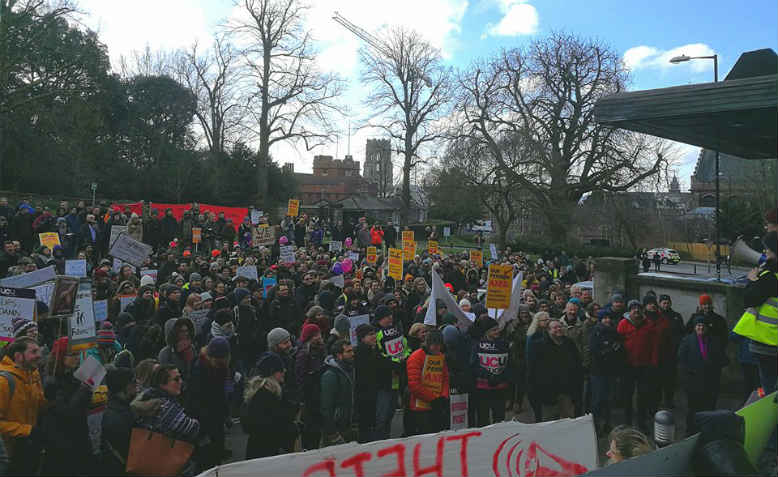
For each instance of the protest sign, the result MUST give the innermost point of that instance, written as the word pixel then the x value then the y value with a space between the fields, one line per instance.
pixel 255 216
pixel 513 310
pixel 293 209
pixel 267 284
pixel 100 308
pixel 15 303
pixel 125 300
pixel 338 281
pixel 760 418
pixel 91 372
pixel 354 322
pixel 81 325
pixel 248 271
pixel 116 231
pixel 476 258
pixel 372 255
pixel 396 263
pixel 27 280
pixel 493 251
pixel 432 247
pixel 354 256
pixel 336 246
pixel 130 250
pixel 565 447
pixel 262 235
pixel 118 264
pixel 43 292
pixel 63 300
pixel 75 268
pixel 446 231
pixel 49 239
pixel 440 292
pixel 150 272
pixel 409 250
pixel 458 407
pixel 498 291
pixel 197 234
pixel 407 236
pixel 198 317
pixel 287 254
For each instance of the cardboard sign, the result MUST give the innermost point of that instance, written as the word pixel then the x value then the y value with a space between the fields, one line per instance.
pixel 130 250
pixel 354 256
pixel 493 251
pixel 75 268
pixel 91 372
pixel 116 231
pixel 197 234
pixel 336 246
pixel 293 209
pixel 43 292
pixel 432 372
pixel 355 321
pixel 63 301
pixel 15 303
pixel 458 411
pixel 267 284
pixel 149 272
pixel 432 247
pixel 82 323
pixel 27 280
pixel 498 291
pixel 476 258
pixel 256 215
pixel 100 308
pixel 396 263
pixel 125 300
pixel 49 239
pixel 565 447
pixel 249 271
pixel 372 255
pixel 446 231
pixel 287 254
pixel 407 236
pixel 262 235
pixel 409 250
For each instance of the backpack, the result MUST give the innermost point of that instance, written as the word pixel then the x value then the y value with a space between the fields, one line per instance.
pixel 11 383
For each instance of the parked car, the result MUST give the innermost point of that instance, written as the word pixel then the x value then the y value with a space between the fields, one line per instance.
pixel 668 255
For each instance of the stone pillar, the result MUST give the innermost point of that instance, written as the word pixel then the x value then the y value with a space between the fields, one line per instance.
pixel 613 273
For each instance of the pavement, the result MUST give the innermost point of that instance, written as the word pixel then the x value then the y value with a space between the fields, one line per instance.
pixel 700 269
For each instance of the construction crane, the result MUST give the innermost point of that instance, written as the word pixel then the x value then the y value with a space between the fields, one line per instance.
pixel 377 44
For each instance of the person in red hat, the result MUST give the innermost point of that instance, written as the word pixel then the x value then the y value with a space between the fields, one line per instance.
pixel 716 324
pixel 308 364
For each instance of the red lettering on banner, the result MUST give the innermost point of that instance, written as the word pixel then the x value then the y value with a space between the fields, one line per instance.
pixel 437 468
pixel 326 465
pixel 356 462
pixel 462 449
pixel 398 449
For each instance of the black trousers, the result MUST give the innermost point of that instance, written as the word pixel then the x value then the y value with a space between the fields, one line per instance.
pixel 637 379
pixel 487 400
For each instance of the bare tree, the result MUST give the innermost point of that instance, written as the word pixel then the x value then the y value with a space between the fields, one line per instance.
pixel 411 93
pixel 542 98
pixel 293 100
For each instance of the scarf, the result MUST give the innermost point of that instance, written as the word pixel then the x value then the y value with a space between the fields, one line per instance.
pixel 703 347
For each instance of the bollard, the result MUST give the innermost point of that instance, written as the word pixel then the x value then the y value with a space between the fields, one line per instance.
pixel 664 428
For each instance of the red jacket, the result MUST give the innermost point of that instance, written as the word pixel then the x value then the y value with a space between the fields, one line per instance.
pixel 640 342
pixel 376 236
pixel 663 349
pixel 427 380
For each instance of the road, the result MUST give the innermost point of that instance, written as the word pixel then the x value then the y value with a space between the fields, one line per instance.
pixel 700 269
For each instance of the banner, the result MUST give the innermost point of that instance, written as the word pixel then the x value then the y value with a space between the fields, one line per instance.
pixel 15 303
pixel 82 323
pixel 407 236
pixel 75 268
pixel 409 250
pixel 498 291
pixel 372 255
pixel 293 209
pixel 197 234
pixel 432 247
pixel 49 239
pixel 396 263
pixel 287 254
pixel 27 280
pixel 130 250
pixel 560 448
pixel 336 246
pixel 476 258
pixel 235 214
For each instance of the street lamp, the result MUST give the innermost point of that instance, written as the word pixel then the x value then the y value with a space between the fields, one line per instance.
pixel 682 59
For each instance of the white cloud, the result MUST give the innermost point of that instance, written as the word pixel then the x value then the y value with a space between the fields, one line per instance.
pixel 519 18
pixel 640 57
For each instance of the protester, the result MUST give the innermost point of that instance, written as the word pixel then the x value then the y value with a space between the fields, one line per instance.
pixel 639 342
pixel 627 443
pixel 554 368
pixel 337 391
pixel 428 384
pixel 118 420
pixel 607 362
pixel 308 365
pixel 492 370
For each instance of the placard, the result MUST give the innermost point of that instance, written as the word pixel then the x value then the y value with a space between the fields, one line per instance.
pixel 63 301
pixel 100 308
pixel 396 263
pixel 43 292
pixel 149 272
pixel 197 234
pixel 458 411
pixel 27 280
pixel 446 231
pixel 91 372
pixel 75 268
pixel 262 235
pixel 82 322
pixel 407 236
pixel 372 255
pixel 125 301
pixel 476 258
pixel 336 246
pixel 493 251
pixel 293 209
pixel 498 292
pixel 354 322
pixel 354 256
pixel 116 231
pixel 49 239
pixel 432 247
pixel 409 250
pixel 118 264
pixel 267 284
pixel 255 216
pixel 287 254
pixel 14 303
pixel 130 250
pixel 248 271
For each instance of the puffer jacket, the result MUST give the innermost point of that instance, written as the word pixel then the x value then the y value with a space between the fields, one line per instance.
pixel 426 385
pixel 20 413
pixel 266 419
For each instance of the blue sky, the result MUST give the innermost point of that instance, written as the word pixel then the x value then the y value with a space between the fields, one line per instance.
pixel 645 34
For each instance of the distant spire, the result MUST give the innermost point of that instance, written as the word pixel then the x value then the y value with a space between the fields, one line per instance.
pixel 675 186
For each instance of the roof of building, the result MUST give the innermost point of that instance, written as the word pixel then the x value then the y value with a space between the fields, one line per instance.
pixel 310 179
pixel 365 202
pixel 731 168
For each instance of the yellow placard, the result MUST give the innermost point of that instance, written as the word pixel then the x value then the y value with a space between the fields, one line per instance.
pixel 49 239
pixel 396 263
pixel 196 234
pixel 408 236
pixel 432 247
pixel 294 208
pixel 498 291
pixel 409 250
pixel 476 258
pixel 372 255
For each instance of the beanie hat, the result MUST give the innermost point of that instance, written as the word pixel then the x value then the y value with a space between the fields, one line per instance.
pixel 60 348
pixel 665 297
pixel 124 359
pixel 218 347
pixel 649 299
pixel 483 324
pixel 106 335
pixel 240 294
pixel 195 277
pixel 171 289
pixel 342 325
pixel 382 311
pixel 363 330
pixel 699 319
pixel 705 299
pixel 205 296
pixel 269 363
pixel 309 331
pixel 634 303
pixel 463 302
pixel 124 319
pixel 276 336
pixel 118 378
pixel 575 301
pixel 21 326
pixel 617 297
pixel 146 281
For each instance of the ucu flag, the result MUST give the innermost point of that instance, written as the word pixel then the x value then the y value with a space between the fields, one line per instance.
pixel 394 347
pixel 494 363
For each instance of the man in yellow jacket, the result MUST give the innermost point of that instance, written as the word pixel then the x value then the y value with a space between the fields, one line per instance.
pixel 21 399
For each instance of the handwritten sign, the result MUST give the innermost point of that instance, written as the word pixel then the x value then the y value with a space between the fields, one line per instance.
pixel 293 209
pixel 130 250
pixel 82 323
pixel 432 247
pixel 565 447
pixel 75 268
pixel 149 272
pixel 498 292
pixel 336 246
pixel 354 322
pixel 116 231
pixel 27 280
pixel 100 308
pixel 15 303
pixel 396 263
pixel 197 234
pixel 409 250
pixel 287 254
pixel 493 251
pixel 407 236
pixel 476 258
pixel 262 235
pixel 372 255
pixel 49 239
pixel 248 271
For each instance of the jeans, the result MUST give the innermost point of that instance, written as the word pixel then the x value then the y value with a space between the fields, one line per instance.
pixel 384 412
pixel 601 391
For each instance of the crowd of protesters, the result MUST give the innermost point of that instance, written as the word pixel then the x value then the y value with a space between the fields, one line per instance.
pixel 201 349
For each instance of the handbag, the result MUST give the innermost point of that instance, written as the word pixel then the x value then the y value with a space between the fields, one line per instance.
pixel 155 454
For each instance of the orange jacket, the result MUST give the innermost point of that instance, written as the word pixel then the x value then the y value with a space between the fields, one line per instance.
pixel 427 379
pixel 19 414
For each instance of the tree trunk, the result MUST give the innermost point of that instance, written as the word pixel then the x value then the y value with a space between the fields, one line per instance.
pixel 406 196
pixel 558 217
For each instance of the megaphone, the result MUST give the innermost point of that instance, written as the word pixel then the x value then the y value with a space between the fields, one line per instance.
pixel 743 252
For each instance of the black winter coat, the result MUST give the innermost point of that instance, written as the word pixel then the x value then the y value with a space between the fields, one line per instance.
pixel 68 448
pixel 118 422
pixel 268 423
pixel 606 349
pixel 554 369
pixel 697 374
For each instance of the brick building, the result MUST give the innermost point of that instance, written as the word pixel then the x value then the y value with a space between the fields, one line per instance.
pixel 332 180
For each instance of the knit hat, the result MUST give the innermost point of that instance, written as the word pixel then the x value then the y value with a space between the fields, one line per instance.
pixel 342 325
pixel 106 335
pixel 699 319
pixel 124 319
pixel 195 277
pixel 21 326
pixel 240 294
pixel 483 324
pixel 309 331
pixel 218 347
pixel 276 336
pixel 705 299
pixel 269 363
pixel 118 378
pixel 205 296
pixel 382 311
pixel 665 297
pixel 363 330
pixel 649 299
pixel 146 281
pixel 575 301
pixel 634 303
pixel 617 297
pixel 171 289
pixel 463 302
pixel 124 359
